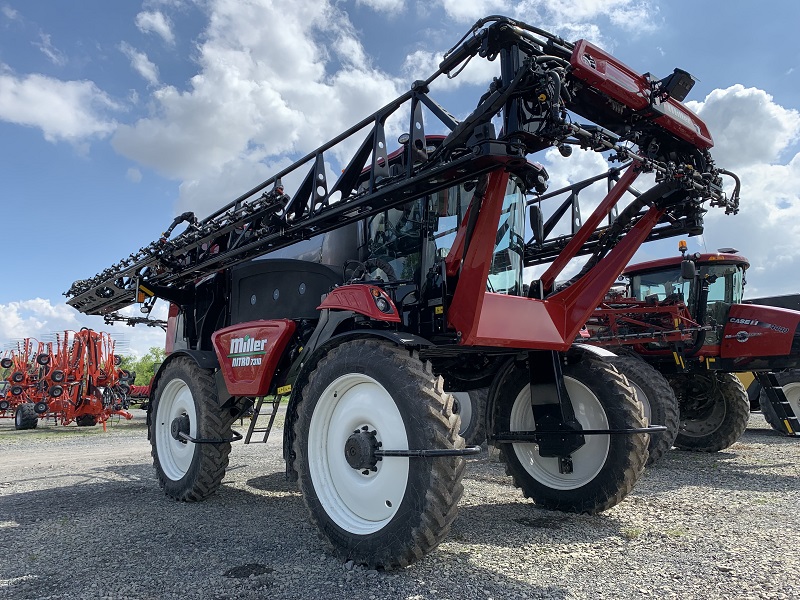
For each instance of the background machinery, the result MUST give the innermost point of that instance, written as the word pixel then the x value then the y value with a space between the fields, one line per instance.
pixel 363 296
pixel 685 316
pixel 73 379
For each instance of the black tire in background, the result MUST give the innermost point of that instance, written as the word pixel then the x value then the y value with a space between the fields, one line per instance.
pixel 790 382
pixel 25 417
pixel 605 469
pixel 658 401
pixel 471 408
pixel 186 471
pixel 714 410
pixel 394 515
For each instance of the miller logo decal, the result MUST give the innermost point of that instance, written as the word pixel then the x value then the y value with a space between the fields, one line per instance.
pixel 246 351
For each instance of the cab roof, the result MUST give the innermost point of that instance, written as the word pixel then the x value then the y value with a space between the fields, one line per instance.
pixel 675 261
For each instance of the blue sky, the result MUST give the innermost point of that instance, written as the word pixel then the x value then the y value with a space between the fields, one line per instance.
pixel 115 116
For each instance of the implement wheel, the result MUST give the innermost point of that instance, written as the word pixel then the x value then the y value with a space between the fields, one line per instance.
pixel 714 411
pixel 658 401
pixel 605 468
pixel 185 400
pixel 25 417
pixel 364 395
pixel 86 421
pixel 790 382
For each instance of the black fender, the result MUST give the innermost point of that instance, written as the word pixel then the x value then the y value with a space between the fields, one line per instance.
pixel 581 351
pixel 306 363
pixel 205 359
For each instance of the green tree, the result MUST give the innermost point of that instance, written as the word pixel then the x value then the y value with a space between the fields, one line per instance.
pixel 145 367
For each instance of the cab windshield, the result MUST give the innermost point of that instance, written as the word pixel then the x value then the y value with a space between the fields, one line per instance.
pixel 422 232
pixel 725 287
pixel 449 207
pixel 725 284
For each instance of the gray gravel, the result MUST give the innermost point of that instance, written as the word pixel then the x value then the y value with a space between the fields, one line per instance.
pixel 81 516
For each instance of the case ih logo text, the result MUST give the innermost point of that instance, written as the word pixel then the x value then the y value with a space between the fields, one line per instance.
pixel 244 351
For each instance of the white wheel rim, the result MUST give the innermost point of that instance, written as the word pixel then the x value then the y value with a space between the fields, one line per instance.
pixel 175 457
pixel 792 393
pixel 360 504
pixel 464 410
pixel 586 460
pixel 642 397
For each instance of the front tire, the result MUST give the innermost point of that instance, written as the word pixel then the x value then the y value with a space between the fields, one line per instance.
pixel 790 382
pixel 25 417
pixel 605 468
pixel 393 515
pixel 186 399
pixel 658 401
pixel 714 411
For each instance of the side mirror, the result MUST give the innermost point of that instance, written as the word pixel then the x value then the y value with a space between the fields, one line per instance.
pixel 688 269
pixel 537 224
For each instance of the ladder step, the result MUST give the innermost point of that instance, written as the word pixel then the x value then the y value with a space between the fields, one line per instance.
pixel 275 402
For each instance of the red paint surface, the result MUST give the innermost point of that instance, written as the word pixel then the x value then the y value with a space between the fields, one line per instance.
pixel 589 226
pixel 251 379
pixel 358 298
pixel 172 321
pixel 766 331
pixel 618 81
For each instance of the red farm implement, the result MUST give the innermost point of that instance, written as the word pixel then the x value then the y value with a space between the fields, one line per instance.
pixel 74 379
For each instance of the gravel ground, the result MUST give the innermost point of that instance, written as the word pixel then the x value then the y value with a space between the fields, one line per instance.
pixel 81 516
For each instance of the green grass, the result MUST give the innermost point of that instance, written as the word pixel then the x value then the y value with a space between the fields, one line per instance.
pixel 631 533
pixel 676 533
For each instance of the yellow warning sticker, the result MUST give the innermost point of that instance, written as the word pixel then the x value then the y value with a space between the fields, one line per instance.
pixel 284 389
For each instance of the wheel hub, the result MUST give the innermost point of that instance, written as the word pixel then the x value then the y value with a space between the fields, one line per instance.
pixel 180 425
pixel 359 450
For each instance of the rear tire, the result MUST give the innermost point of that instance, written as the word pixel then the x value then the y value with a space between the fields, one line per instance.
pixel 658 401
pixel 471 408
pixel 714 413
pixel 790 382
pixel 186 471
pixel 396 514
pixel 605 469
pixel 25 417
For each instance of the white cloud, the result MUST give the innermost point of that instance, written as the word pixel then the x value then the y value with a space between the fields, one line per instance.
pixel 467 11
pixel 420 64
pixel 257 95
pixel 63 110
pixel 33 318
pixel 156 22
pixel 134 175
pixel 140 63
pixel 9 12
pixel 51 52
pixel 40 319
pixel 751 134
pixel 748 127
pixel 564 16
pixel 392 6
